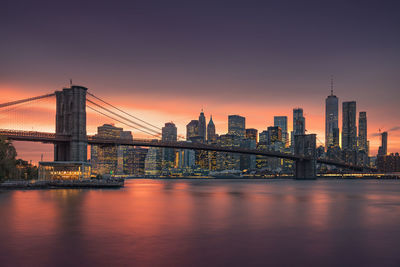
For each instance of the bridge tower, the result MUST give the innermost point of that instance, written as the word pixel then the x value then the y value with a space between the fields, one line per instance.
pixel 305 145
pixel 71 123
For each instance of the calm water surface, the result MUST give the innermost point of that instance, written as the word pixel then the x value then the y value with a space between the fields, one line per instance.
pixel 204 223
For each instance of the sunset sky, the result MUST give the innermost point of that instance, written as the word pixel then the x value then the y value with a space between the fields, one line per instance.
pixel 165 60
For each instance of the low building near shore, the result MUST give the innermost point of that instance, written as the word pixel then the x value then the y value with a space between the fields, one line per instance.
pixel 64 170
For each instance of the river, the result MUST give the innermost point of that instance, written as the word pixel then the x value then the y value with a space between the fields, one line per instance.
pixel 204 222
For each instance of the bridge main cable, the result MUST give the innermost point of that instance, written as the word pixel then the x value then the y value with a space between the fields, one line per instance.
pixel 25 100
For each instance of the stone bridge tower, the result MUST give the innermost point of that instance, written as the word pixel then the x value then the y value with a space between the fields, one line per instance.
pixel 71 123
pixel 305 145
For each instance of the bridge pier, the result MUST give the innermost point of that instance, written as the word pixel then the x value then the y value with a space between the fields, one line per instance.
pixel 305 145
pixel 71 123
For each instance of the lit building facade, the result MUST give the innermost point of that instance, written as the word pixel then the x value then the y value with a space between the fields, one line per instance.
pixel 349 128
pixel 281 122
pixel 169 134
pixel 237 125
pixel 252 134
pixel 331 121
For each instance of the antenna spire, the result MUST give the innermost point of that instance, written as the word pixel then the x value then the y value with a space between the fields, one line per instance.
pixel 331 85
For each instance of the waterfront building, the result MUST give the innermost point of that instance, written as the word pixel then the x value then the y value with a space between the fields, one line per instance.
pixel 211 134
pixel 237 126
pixel 228 161
pixel 331 120
pixel 388 163
pixel 363 145
pixel 252 134
pixel 109 159
pixel 248 162
pixel 281 122
pixel 153 161
pixel 349 128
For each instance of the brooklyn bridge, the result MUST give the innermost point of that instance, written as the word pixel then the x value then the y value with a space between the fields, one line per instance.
pixel 71 140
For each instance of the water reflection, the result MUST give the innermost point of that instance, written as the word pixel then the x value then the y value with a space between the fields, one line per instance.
pixel 204 222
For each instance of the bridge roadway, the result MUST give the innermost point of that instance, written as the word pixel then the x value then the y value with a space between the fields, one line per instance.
pixel 44 137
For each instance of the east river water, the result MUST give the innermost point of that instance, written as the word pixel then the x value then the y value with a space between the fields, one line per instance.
pixel 205 222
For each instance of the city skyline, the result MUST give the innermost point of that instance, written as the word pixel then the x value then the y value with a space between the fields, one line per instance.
pixel 221 126
pixel 166 62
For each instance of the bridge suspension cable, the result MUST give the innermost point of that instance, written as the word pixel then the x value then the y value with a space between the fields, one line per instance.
pixel 134 127
pixel 25 100
pixel 154 132
pixel 120 110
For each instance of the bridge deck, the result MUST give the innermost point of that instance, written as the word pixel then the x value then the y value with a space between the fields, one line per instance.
pixel 53 138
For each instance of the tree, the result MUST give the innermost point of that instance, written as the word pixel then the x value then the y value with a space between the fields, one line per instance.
pixel 8 156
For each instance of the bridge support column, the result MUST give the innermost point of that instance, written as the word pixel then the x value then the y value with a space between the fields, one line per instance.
pixel 71 123
pixel 305 145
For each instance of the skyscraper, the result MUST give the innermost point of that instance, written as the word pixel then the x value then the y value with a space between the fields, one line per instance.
pixel 349 128
pixel 211 135
pixel 331 120
pixel 252 134
pixel 382 151
pixel 299 122
pixel 362 132
pixel 202 126
pixel 192 130
pixel 281 122
pixel 169 134
pixel 274 134
pixel 237 125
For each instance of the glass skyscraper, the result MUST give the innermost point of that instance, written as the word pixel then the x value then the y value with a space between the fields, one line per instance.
pixel 331 121
pixel 349 128
pixel 237 125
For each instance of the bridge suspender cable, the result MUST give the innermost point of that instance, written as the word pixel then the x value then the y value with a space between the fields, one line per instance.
pixel 149 124
pixel 25 100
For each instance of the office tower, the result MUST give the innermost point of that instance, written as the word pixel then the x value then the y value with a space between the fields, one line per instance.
pixel 248 162
pixel 274 134
pixel 299 124
pixel 349 128
pixel 228 161
pixel 362 132
pixel 109 159
pixel 263 138
pixel 169 134
pixel 237 125
pixel 382 151
pixel 202 126
pixel 281 121
pixel 153 161
pixel 331 120
pixel 252 134
pixel 211 135
pixel 192 130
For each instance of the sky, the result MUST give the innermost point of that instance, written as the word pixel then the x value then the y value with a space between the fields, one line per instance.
pixel 166 60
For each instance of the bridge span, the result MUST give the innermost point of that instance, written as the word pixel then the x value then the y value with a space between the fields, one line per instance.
pixel 46 137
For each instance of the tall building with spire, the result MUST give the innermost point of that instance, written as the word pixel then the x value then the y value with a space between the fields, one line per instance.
pixel 331 120
pixel 211 135
pixel 202 126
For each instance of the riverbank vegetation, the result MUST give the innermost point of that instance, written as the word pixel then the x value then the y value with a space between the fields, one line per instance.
pixel 12 168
